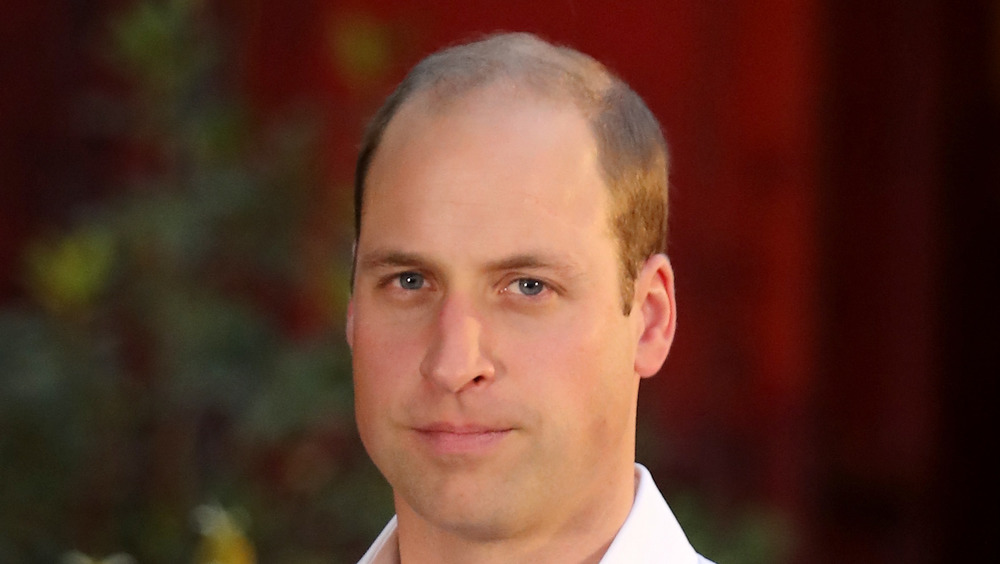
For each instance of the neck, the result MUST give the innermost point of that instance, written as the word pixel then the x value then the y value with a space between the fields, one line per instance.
pixel 581 536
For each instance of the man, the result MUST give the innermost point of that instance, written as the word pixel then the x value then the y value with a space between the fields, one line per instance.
pixel 510 292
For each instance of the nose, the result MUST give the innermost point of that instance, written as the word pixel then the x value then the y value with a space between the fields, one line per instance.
pixel 456 359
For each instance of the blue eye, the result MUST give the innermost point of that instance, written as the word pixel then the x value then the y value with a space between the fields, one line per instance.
pixel 530 286
pixel 411 281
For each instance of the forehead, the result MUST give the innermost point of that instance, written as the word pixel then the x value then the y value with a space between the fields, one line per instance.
pixel 494 105
pixel 495 155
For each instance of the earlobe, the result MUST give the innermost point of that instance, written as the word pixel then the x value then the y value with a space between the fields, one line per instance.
pixel 658 314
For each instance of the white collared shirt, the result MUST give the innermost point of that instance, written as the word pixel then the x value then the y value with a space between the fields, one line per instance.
pixel 651 534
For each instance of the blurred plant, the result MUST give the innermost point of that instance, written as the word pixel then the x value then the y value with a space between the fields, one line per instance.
pixel 183 342
pixel 751 535
pixel 744 533
pixel 80 558
pixel 67 275
pixel 223 540
pixel 360 46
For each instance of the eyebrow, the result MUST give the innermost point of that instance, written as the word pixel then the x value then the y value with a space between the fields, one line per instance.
pixel 534 261
pixel 387 259
pixel 394 259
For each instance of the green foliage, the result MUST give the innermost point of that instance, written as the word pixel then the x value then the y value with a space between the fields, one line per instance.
pixel 751 535
pixel 68 274
pixel 164 363
pixel 361 47
pixel 746 534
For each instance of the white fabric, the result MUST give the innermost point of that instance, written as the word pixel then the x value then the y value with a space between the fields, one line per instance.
pixel 651 534
pixel 385 549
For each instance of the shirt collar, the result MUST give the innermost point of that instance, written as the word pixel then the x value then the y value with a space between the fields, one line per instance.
pixel 385 549
pixel 650 533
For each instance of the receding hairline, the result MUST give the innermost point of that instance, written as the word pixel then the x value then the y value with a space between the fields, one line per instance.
pixel 437 100
pixel 518 60
pixel 632 150
pixel 521 62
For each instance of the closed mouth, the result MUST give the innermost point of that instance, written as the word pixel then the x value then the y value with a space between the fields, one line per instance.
pixel 447 438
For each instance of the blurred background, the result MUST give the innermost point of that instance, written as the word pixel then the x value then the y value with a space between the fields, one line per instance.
pixel 175 226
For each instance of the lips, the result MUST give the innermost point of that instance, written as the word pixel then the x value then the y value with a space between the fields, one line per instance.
pixel 450 438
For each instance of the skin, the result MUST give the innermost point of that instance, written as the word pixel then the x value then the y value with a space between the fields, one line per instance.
pixel 495 375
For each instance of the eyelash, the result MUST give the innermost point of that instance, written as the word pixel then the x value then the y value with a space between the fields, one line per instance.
pixel 520 281
pixel 514 285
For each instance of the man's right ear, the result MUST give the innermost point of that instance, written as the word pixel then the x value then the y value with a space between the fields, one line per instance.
pixel 349 325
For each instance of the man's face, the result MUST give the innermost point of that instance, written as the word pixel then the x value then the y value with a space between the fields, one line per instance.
pixel 493 367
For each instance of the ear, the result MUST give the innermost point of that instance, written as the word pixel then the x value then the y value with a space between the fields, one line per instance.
pixel 656 314
pixel 349 325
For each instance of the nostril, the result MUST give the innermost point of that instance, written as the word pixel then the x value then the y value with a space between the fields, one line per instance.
pixel 478 379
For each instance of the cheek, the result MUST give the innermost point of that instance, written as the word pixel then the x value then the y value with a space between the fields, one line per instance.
pixel 382 359
pixel 382 340
pixel 570 367
pixel 583 375
pixel 575 342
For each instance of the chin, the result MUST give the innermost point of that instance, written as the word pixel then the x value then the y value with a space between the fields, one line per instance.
pixel 480 524
pixel 470 513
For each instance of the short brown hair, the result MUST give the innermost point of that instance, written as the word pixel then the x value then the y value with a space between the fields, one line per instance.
pixel 632 150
